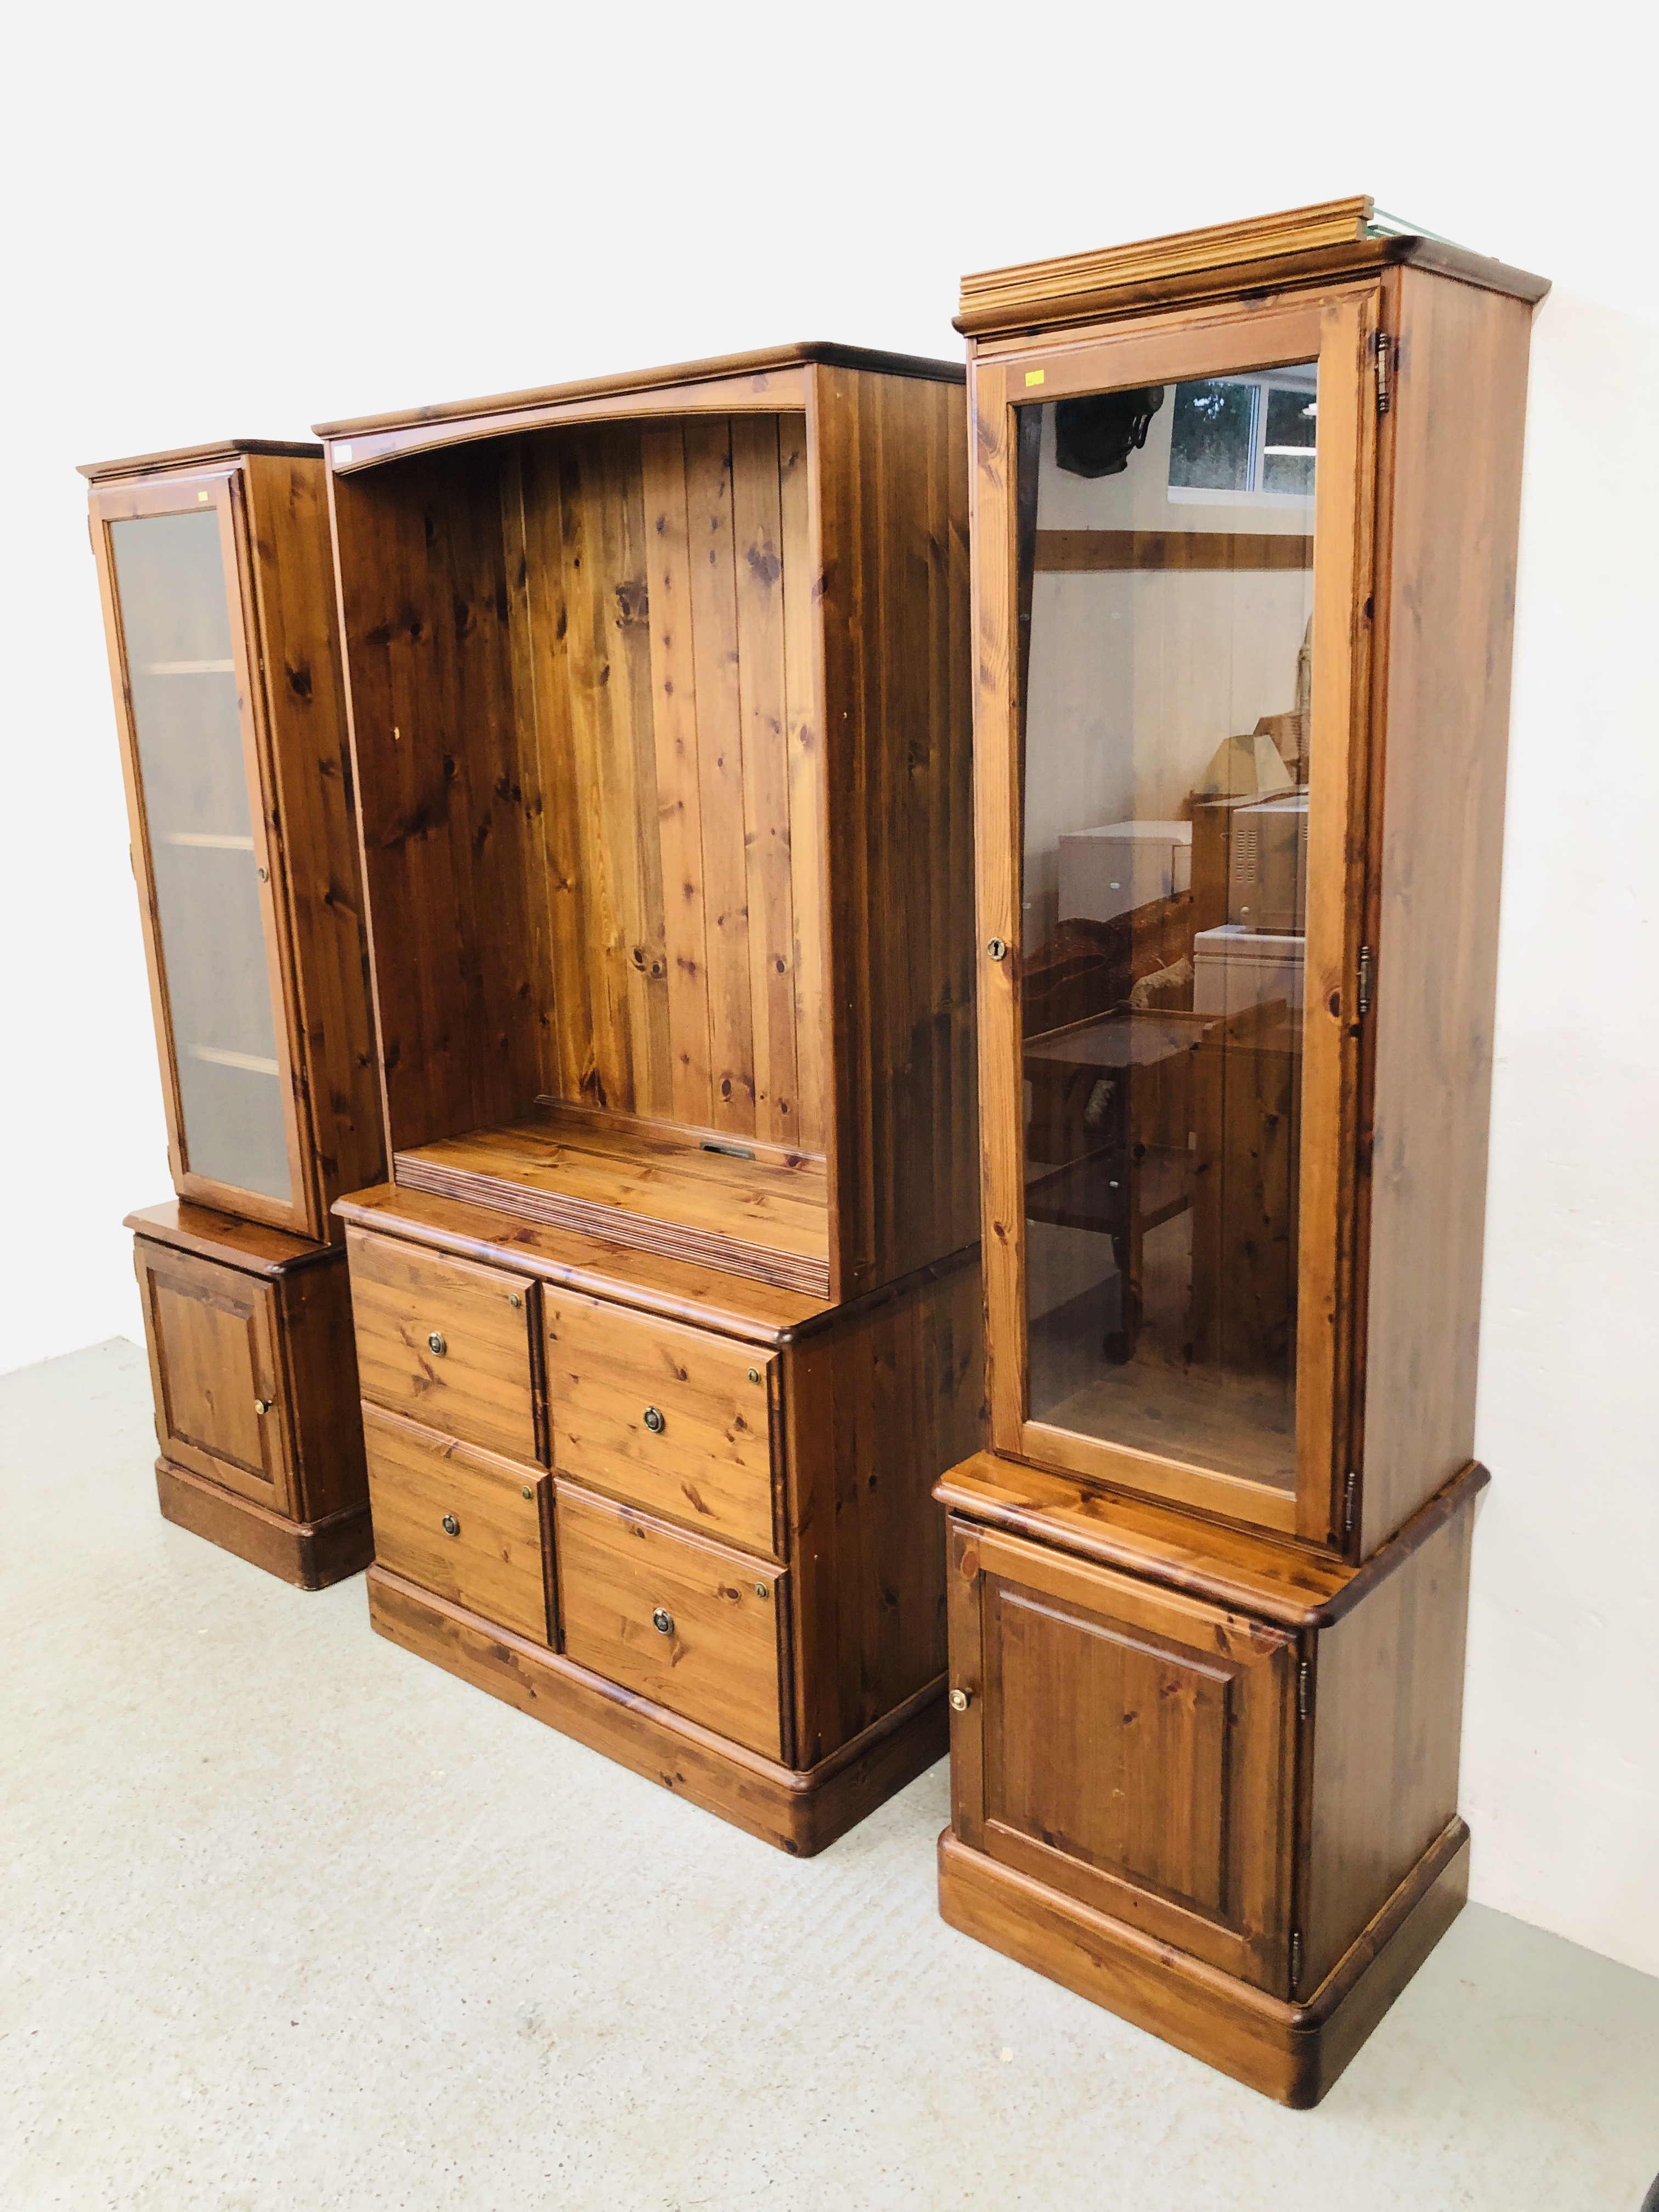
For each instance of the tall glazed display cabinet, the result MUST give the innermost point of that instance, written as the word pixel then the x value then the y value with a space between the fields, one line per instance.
pixel 668 1316
pixel 214 571
pixel 1244 537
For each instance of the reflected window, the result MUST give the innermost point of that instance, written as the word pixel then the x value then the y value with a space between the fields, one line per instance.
pixel 1248 435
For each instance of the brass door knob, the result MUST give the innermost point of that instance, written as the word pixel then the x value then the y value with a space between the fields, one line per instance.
pixel 960 1700
pixel 655 1421
pixel 262 1407
pixel 437 1342
pixel 451 1526
pixel 662 1621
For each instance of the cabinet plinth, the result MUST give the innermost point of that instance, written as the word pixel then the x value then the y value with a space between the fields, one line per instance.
pixel 215 571
pixel 1245 544
pixel 659 713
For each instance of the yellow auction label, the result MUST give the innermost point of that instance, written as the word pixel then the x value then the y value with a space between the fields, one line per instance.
pixel 1033 376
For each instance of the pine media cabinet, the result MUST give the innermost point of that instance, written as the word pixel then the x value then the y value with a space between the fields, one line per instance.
pixel 668 1315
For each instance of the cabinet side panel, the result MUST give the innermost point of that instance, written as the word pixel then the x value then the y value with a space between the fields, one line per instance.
pixel 447 793
pixel 1387 1717
pixel 1447 623
pixel 876 1409
pixel 316 804
pixel 892 473
pixel 321 1351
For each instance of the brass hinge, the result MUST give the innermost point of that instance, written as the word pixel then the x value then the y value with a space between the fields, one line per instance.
pixel 1364 980
pixel 1349 1489
pixel 1380 349
pixel 1304 1691
pixel 1295 1959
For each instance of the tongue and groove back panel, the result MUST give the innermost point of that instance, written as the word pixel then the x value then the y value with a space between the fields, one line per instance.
pixel 661 729
pixel 560 645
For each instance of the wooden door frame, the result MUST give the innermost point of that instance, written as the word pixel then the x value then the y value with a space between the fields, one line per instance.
pixel 1337 327
pixel 222 489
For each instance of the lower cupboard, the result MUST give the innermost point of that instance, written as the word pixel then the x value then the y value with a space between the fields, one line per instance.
pixel 1205 1778
pixel 709 1547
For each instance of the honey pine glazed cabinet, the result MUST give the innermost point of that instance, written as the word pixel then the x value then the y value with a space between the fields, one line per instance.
pixel 215 571
pixel 668 1316
pixel 1244 540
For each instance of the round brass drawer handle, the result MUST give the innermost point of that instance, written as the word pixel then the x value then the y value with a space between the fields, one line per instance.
pixel 263 1406
pixel 451 1526
pixel 438 1342
pixel 655 1421
pixel 662 1621
pixel 960 1700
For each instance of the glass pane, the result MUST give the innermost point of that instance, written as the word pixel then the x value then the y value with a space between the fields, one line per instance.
pixel 175 616
pixel 1166 589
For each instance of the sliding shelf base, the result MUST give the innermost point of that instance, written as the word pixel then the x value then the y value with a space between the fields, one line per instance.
pixel 311 1554
pixel 798 1813
pixel 1293 2052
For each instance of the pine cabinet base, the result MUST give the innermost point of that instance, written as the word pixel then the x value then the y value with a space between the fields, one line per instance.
pixel 254 1366
pixel 1293 2052
pixel 800 1812
pixel 310 1554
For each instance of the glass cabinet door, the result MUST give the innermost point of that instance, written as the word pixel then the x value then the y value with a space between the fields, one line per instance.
pixel 178 611
pixel 1174 776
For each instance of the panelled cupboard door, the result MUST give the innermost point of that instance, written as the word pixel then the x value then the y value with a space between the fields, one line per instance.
pixel 1130 1747
pixel 1173 541
pixel 180 624
pixel 220 1394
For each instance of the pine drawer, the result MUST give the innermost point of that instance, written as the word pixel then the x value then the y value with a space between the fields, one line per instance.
pixel 688 1624
pixel 675 1420
pixel 462 1523
pixel 445 1343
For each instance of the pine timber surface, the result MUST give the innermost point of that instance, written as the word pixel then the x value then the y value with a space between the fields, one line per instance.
pixel 1293 1586
pixel 756 1312
pixel 1455 463
pixel 187 457
pixel 667 719
pixel 253 1246
pixel 1291 2053
pixel 1323 243
pixel 799 1813
pixel 717 367
pixel 310 1554
pixel 659 1192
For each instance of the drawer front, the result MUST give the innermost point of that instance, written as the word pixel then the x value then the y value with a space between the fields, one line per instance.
pixel 460 1523
pixel 671 1419
pixel 445 1343
pixel 1128 1746
pixel 688 1624
pixel 216 1365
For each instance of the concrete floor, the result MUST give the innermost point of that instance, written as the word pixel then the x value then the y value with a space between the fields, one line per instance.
pixel 290 1918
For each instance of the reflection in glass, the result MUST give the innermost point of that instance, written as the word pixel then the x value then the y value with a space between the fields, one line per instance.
pixel 1166 598
pixel 175 619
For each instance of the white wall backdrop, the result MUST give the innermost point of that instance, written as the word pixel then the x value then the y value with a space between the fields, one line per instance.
pixel 221 220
